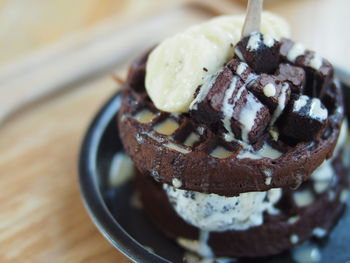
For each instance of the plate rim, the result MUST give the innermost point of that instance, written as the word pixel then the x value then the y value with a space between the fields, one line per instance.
pixel 91 195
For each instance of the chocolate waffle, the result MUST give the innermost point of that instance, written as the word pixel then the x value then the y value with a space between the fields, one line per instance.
pixel 182 150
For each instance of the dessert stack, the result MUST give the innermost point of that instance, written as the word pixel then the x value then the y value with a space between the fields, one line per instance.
pixel 237 141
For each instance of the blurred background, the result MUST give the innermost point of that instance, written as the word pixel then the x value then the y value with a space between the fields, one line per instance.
pixel 56 62
pixel 33 24
pixel 29 25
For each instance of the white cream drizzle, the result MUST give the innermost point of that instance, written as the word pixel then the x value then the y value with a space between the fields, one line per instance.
pixel 227 108
pixel 316 111
pixel 241 68
pixel 303 198
pixel 268 180
pixel 239 54
pixel 344 196
pixel 319 232
pixel 248 115
pixel 321 186
pixel 153 136
pixel 204 90
pixel 281 104
pixel 324 172
pixel 296 51
pixel 300 102
pixel 268 173
pixel 251 77
pixel 274 133
pixel 306 253
pixel 294 239
pixel 269 41
pixel 177 147
pixel 292 220
pixel 220 153
pixel 316 62
pixel 121 170
pixel 204 248
pixel 200 130
pixel 200 246
pixel 254 41
pixel 265 152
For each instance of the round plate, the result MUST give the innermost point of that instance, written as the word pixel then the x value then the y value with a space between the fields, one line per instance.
pixel 127 228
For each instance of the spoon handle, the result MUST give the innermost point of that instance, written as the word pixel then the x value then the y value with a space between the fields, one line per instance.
pixel 253 17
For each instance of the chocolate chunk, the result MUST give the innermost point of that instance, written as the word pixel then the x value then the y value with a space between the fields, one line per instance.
pixel 207 106
pixel 260 52
pixel 304 120
pixel 269 90
pixel 294 75
pixel 249 118
pixel 227 106
pixel 319 71
pixel 242 70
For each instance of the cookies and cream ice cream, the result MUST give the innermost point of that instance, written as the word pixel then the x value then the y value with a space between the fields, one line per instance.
pixel 212 212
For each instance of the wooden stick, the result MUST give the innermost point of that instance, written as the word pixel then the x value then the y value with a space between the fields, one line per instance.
pixel 253 17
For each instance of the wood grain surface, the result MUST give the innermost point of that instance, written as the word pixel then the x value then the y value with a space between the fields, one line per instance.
pixel 33 24
pixel 42 218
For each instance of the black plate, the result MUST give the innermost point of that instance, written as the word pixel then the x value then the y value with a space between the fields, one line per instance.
pixel 127 228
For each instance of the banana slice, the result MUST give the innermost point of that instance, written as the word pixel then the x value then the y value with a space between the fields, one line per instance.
pixel 182 63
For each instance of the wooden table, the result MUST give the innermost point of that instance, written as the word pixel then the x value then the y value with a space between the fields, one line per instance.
pixel 42 218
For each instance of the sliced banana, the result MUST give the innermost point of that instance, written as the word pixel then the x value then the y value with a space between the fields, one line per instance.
pixel 182 63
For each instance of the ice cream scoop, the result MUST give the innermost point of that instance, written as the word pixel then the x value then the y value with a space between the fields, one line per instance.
pixel 213 212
